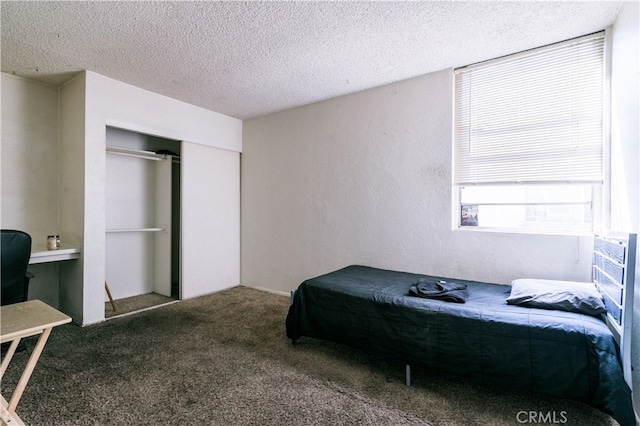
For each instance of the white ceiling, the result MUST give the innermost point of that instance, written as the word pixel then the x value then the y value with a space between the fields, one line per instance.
pixel 247 59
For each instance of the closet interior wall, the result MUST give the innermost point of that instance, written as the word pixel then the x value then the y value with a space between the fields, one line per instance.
pixel 142 217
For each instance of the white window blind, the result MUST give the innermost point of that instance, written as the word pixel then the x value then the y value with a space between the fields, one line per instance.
pixel 533 117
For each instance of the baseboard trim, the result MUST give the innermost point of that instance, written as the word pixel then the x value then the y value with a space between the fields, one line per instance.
pixel 268 290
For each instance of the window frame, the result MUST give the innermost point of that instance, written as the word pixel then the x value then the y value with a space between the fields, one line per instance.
pixel 601 193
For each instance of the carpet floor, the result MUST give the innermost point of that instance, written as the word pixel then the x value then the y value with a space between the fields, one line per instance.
pixel 135 303
pixel 224 359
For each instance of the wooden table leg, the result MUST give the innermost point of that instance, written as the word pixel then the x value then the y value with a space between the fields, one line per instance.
pixel 26 374
pixel 113 304
pixel 8 419
pixel 7 357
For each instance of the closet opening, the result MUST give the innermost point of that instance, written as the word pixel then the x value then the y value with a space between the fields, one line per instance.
pixel 142 215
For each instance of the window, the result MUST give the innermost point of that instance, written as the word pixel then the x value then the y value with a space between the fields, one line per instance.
pixel 529 139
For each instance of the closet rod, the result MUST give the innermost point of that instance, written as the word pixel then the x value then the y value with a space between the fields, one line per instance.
pixel 147 155
pixel 135 230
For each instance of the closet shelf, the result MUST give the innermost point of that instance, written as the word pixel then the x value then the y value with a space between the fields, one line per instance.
pixel 135 230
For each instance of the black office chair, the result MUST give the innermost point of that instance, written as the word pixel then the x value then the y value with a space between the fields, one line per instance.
pixel 15 251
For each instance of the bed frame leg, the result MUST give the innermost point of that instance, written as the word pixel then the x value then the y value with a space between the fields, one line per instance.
pixel 407 375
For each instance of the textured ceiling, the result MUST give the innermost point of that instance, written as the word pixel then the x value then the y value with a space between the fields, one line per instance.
pixel 246 59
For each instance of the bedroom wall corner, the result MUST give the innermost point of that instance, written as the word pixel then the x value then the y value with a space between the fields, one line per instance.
pixel 72 101
pixel 29 172
pixel 625 141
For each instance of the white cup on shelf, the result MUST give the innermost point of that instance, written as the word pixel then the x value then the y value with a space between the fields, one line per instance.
pixel 53 242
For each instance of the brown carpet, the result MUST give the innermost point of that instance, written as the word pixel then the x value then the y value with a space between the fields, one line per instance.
pixel 224 359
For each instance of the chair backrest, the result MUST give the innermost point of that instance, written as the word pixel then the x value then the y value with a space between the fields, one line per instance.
pixel 15 251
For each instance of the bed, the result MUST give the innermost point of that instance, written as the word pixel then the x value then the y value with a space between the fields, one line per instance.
pixel 571 355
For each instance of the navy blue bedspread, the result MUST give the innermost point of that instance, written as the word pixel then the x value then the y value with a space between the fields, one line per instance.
pixel 557 353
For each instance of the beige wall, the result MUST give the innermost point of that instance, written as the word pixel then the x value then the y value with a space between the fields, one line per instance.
pixel 29 157
pixel 29 171
pixel 366 179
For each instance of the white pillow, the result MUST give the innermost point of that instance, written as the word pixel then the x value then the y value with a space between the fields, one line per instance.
pixel 572 296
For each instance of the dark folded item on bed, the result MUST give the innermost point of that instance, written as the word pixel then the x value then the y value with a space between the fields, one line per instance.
pixel 440 290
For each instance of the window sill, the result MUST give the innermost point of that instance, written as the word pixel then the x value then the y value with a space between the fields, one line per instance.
pixel 569 233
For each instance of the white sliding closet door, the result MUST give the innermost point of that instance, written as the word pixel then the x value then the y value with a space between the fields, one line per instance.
pixel 210 219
